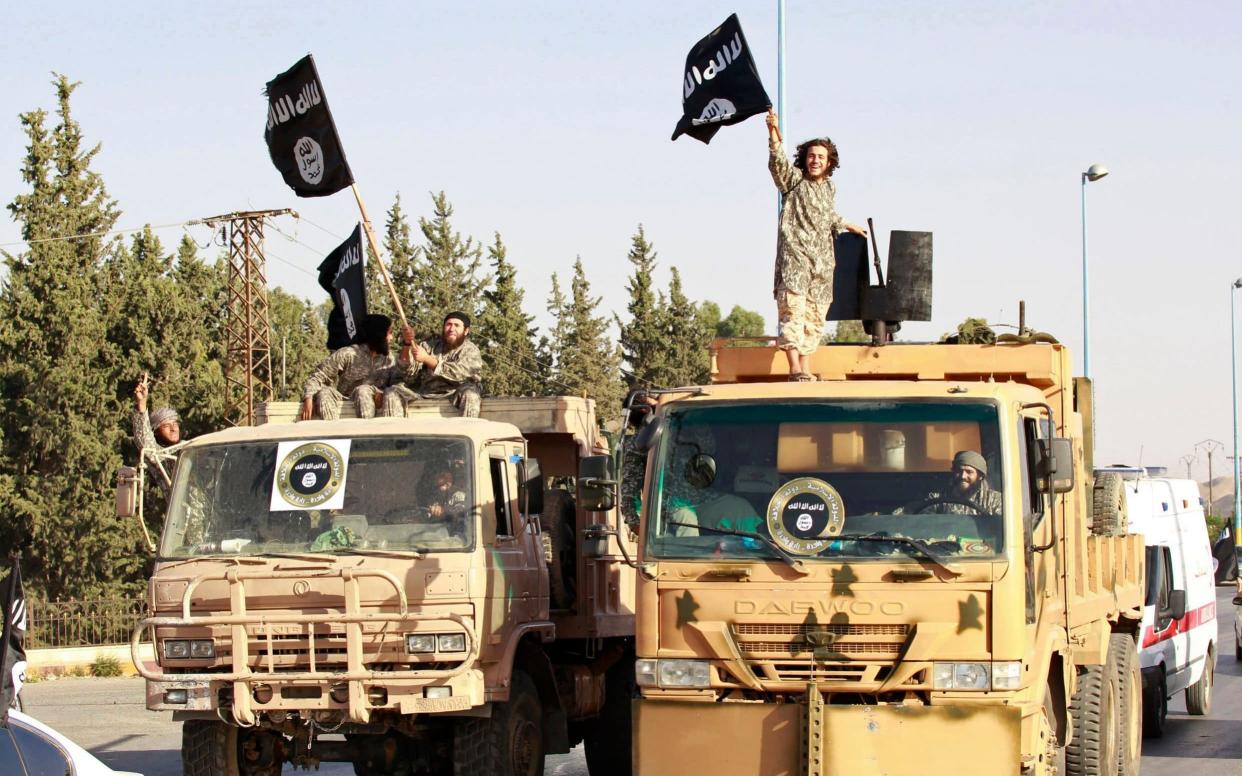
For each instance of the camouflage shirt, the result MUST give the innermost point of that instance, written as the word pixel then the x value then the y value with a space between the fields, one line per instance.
pixel 461 366
pixel 350 367
pixel 805 255
pixel 160 464
pixel 986 498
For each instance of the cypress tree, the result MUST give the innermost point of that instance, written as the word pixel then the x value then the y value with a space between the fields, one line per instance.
pixel 689 340
pixel 588 363
pixel 447 277
pixel 505 334
pixel 643 341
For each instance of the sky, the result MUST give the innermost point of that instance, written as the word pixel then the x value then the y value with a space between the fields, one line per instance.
pixel 549 122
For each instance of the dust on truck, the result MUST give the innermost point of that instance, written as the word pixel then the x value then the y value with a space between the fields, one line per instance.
pixel 814 599
pixel 411 585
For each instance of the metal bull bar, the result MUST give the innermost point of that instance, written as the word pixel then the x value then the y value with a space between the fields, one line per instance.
pixel 356 673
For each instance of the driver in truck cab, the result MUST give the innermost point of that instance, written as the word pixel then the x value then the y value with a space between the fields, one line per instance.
pixel 967 493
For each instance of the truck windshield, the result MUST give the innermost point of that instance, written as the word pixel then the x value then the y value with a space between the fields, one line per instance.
pixel 322 496
pixel 847 479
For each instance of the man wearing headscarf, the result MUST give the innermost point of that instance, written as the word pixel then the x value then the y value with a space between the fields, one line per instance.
pixel 153 433
pixel 448 366
pixel 968 485
pixel 360 371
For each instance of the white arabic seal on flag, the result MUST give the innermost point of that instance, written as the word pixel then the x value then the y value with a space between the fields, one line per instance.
pixel 718 109
pixel 309 158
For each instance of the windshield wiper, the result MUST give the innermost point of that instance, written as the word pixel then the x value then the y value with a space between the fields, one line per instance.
pixel 920 548
pixel 307 556
pixel 416 554
pixel 794 563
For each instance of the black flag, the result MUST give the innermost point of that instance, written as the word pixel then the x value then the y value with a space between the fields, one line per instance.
pixel 341 275
pixel 301 136
pixel 721 84
pixel 12 653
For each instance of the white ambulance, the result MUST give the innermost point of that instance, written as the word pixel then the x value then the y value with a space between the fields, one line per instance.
pixel 1178 647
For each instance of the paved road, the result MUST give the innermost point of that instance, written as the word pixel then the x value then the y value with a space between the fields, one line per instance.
pixel 107 717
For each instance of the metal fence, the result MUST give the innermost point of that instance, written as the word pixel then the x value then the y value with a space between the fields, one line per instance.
pixel 82 623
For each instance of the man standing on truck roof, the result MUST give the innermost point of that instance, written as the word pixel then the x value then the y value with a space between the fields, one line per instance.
pixel 448 366
pixel 805 255
pixel 153 433
pixel 968 486
pixel 360 371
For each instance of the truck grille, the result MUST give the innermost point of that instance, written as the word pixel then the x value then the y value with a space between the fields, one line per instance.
pixel 878 640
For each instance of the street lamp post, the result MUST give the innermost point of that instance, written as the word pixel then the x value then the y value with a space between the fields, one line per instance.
pixel 1233 365
pixel 1093 173
pixel 1210 446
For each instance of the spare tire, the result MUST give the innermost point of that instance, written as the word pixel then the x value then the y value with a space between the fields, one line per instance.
pixel 1108 505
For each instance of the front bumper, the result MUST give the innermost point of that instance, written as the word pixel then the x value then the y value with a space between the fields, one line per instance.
pixel 780 739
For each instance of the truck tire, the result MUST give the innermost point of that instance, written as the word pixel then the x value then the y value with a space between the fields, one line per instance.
pixel 1199 694
pixel 560 521
pixel 509 743
pixel 209 748
pixel 1108 505
pixel 1156 708
pixel 609 739
pixel 1092 750
pixel 1123 656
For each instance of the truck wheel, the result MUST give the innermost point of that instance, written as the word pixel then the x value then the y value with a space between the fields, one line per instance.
pixel 1123 656
pixel 609 739
pixel 1199 694
pixel 1156 708
pixel 209 748
pixel 509 743
pixel 1092 750
pixel 560 519
pixel 1108 506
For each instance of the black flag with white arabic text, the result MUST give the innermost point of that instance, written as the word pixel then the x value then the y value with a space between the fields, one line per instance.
pixel 721 84
pixel 342 275
pixel 301 137
pixel 12 651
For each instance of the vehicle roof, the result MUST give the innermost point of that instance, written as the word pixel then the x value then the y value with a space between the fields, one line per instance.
pixel 856 389
pixel 475 428
pixel 85 763
pixel 1151 501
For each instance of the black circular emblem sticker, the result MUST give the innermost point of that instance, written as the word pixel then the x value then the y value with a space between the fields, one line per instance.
pixel 804 515
pixel 310 475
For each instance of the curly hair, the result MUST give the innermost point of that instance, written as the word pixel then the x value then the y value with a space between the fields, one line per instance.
pixel 834 158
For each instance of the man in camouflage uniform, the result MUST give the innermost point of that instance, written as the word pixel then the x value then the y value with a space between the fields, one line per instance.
pixel 153 433
pixel 968 485
pixel 448 366
pixel 634 460
pixel 361 371
pixel 805 255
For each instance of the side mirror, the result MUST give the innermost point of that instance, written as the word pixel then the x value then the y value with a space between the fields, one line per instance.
pixel 701 470
pixel 530 478
pixel 648 435
pixel 1055 465
pixel 597 487
pixel 126 491
pixel 1177 604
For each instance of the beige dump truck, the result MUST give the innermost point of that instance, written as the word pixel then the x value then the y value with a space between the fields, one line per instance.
pixel 407 595
pixel 817 596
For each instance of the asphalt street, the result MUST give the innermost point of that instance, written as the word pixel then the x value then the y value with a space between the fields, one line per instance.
pixel 107 716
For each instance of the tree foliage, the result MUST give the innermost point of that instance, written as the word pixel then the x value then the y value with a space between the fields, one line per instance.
pixel 587 361
pixel 689 340
pixel 740 322
pixel 505 334
pixel 644 345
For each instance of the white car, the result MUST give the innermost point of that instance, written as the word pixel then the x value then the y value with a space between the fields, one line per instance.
pixel 30 748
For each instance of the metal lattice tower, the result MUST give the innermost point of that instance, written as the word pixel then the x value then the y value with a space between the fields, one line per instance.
pixel 248 331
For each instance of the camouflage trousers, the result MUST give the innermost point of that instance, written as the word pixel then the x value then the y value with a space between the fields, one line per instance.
pixel 329 401
pixel 801 320
pixel 397 398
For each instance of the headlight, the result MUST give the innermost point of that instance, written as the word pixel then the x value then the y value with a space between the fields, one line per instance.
pixel 177 650
pixel 452 642
pixel 1005 675
pixel 673 673
pixel 203 648
pixel 420 642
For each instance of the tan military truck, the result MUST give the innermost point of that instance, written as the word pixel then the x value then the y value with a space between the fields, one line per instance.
pixel 817 596
pixel 407 595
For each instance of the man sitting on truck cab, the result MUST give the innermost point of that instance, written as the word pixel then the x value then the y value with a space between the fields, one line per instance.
pixel 360 371
pixel 968 492
pixel 448 366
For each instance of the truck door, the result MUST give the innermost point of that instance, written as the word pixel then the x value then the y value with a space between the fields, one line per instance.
pixel 516 546
pixel 1041 567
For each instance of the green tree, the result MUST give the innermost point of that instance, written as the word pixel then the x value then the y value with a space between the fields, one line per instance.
pixel 587 362
pixel 447 277
pixel 687 340
pixel 299 342
pixel 505 333
pixel 59 434
pixel 401 260
pixel 847 331
pixel 740 322
pixel 643 342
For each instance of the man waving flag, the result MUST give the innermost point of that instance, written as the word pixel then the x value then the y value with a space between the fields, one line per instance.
pixel 12 653
pixel 301 136
pixel 721 84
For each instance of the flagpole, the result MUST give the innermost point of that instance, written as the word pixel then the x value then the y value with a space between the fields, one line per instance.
pixel 366 226
pixel 780 67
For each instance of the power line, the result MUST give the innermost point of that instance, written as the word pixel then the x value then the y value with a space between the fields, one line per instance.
pixel 89 235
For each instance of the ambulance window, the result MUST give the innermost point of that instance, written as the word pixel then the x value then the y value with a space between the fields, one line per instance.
pixel 1159 578
pixel 500 496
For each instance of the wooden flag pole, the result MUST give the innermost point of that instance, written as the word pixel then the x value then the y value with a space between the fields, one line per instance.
pixel 366 227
